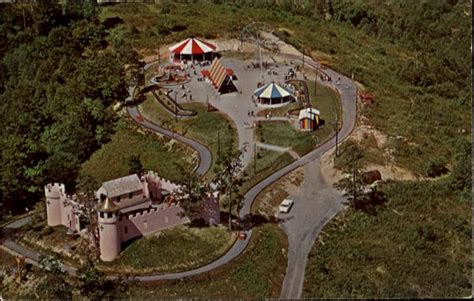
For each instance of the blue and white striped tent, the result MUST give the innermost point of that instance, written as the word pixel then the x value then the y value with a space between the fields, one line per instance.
pixel 273 94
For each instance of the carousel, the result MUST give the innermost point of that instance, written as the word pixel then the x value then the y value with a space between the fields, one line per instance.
pixel 273 95
pixel 192 50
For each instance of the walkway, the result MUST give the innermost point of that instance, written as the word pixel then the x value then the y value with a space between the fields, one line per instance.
pixel 273 147
pixel 205 157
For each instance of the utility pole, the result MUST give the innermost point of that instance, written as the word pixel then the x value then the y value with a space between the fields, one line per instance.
pixel 219 146
pixel 302 63
pixel 175 107
pixel 315 81
pixel 254 159
pixel 259 51
pixel 337 131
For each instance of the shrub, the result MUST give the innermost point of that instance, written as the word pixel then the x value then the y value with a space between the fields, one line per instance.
pixel 435 167
pixel 47 230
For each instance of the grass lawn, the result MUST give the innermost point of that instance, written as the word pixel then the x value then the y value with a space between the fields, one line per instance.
pixel 267 163
pixel 203 128
pixel 281 111
pixel 251 275
pixel 158 154
pixel 284 134
pixel 178 249
pixel 419 246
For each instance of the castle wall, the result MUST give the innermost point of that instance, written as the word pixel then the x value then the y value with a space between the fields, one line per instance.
pixel 155 183
pixel 59 208
pixel 54 194
pixel 150 221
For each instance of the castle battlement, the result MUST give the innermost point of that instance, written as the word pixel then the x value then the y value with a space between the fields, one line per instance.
pixel 151 211
pixel 166 184
pixel 54 190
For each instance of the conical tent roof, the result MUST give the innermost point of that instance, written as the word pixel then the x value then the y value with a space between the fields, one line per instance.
pixel 192 46
pixel 272 90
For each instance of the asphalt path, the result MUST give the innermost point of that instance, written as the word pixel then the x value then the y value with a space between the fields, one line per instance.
pixel 205 157
pixel 347 91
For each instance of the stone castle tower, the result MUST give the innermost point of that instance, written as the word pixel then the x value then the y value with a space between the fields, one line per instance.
pixel 54 194
pixel 109 234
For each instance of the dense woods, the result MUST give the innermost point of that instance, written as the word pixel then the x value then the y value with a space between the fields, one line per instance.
pixel 59 76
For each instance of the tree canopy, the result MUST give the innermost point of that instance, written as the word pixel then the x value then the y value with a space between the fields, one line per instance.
pixel 59 77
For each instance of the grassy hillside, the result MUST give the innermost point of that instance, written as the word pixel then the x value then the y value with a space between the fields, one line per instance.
pixel 418 246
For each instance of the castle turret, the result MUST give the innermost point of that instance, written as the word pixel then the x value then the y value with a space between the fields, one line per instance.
pixel 54 194
pixel 109 239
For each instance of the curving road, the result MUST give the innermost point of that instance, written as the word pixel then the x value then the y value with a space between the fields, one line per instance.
pixel 347 91
pixel 205 157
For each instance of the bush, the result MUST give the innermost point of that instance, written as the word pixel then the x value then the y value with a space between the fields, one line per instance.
pixel 47 230
pixel 435 167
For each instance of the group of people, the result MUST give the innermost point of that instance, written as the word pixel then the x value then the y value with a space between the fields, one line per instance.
pixel 291 74
pixel 186 92
pixel 250 113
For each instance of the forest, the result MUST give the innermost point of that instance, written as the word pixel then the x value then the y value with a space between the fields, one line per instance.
pixel 60 71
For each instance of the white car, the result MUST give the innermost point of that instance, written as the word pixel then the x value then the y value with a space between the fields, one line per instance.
pixel 285 206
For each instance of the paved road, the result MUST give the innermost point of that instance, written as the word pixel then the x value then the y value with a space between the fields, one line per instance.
pixel 205 157
pixel 19 223
pixel 316 202
pixel 348 100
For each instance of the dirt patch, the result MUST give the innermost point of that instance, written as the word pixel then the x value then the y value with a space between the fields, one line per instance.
pixel 268 200
pixel 364 131
pixel 329 173
pixel 388 171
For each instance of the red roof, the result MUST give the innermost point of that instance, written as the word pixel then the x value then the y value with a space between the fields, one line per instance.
pixel 206 73
pixel 192 46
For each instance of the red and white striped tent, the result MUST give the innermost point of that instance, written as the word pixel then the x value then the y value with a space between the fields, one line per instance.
pixel 220 77
pixel 192 49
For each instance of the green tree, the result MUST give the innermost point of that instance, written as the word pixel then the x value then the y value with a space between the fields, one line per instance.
pixel 92 282
pixel 351 162
pixel 228 178
pixel 191 193
pixel 134 164
pixel 54 284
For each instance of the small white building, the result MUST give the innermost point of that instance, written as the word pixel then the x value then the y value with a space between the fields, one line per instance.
pixel 308 119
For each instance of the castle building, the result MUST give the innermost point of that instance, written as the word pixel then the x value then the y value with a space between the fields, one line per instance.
pixel 127 208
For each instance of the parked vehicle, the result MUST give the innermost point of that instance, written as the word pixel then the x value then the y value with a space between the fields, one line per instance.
pixel 285 206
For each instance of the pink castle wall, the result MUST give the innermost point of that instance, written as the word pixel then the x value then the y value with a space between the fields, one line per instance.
pixel 59 207
pixel 150 221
